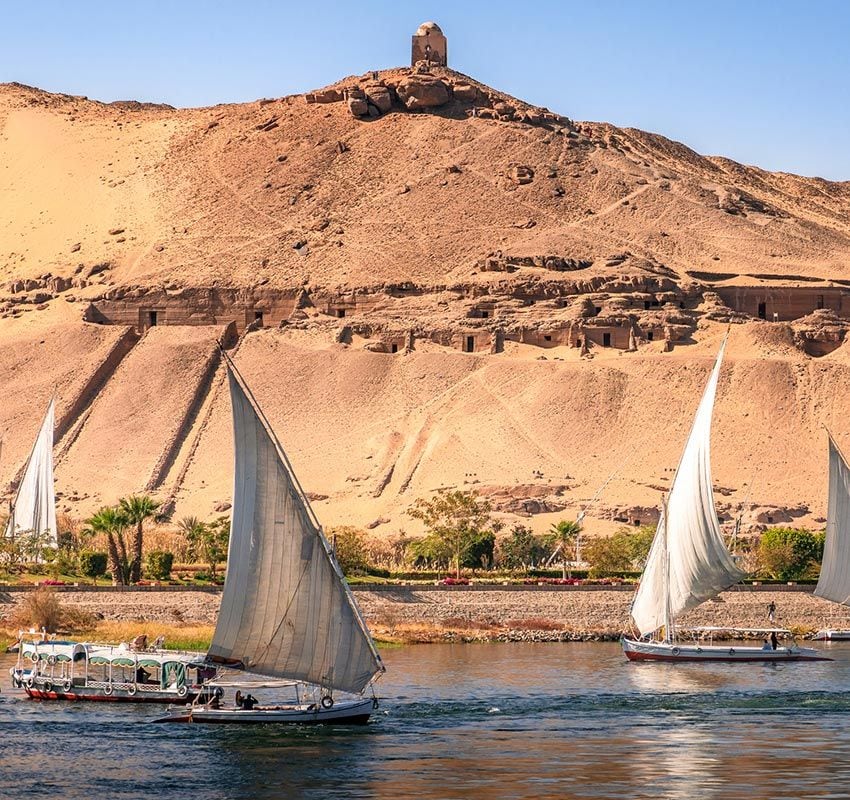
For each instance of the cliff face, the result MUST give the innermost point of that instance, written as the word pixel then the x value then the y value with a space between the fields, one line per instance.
pixel 430 283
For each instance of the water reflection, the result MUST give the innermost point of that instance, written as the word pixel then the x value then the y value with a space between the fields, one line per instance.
pixel 660 678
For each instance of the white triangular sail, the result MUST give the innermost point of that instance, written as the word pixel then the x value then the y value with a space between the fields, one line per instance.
pixel 286 610
pixel 834 580
pixel 688 562
pixel 34 508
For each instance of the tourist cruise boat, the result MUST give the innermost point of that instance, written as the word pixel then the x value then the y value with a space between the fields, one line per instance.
pixel 287 617
pixel 689 564
pixel 49 669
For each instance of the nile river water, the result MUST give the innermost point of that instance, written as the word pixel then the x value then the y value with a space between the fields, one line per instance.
pixel 474 722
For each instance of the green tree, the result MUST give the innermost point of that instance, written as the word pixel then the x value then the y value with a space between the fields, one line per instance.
pixel 92 565
pixel 455 521
pixel 208 541
pixel 111 523
pixel 788 554
pixel 33 544
pixel 563 538
pixel 640 543
pixel 137 509
pixel 625 550
pixel 522 548
pixel 349 549
pixel 479 554
pixel 159 564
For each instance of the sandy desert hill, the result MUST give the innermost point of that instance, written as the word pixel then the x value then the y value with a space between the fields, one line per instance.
pixel 427 283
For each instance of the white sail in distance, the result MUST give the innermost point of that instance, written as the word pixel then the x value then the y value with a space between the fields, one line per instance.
pixel 34 507
pixel 286 610
pixel 698 565
pixel 834 580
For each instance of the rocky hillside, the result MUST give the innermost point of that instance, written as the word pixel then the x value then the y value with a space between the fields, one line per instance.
pixel 429 283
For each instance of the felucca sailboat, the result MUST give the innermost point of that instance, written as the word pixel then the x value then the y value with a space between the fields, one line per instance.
pixel 287 616
pixel 688 562
pixel 34 507
pixel 834 580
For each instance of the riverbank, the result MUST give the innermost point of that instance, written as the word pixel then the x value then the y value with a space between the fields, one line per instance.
pixel 407 614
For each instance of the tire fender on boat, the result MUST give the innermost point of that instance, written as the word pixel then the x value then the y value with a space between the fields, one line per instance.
pixel 28 682
pixel 34 657
pixel 731 651
pixel 327 701
pixel 47 686
pixel 108 690
pixel 699 649
pixel 675 651
pixel 51 659
pixel 66 685
pixel 182 691
pixel 131 689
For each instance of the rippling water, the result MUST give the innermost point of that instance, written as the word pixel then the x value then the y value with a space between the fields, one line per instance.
pixel 473 722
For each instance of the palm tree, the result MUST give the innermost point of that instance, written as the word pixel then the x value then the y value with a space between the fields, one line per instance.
pixel 137 508
pixel 111 522
pixel 565 537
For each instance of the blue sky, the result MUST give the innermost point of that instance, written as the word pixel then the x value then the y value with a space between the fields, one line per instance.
pixel 764 82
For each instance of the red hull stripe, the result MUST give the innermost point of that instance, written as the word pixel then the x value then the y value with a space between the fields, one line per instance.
pixel 37 694
pixel 754 658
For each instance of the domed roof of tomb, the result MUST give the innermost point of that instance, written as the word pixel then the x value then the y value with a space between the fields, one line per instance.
pixel 428 27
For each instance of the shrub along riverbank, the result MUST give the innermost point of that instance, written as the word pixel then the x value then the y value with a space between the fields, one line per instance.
pixel 403 614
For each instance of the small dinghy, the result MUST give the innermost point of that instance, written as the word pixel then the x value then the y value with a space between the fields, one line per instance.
pixel 287 613
pixel 689 564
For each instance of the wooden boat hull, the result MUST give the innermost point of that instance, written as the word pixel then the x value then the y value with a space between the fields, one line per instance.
pixel 97 695
pixel 695 652
pixel 356 712
pixel 40 688
pixel 832 636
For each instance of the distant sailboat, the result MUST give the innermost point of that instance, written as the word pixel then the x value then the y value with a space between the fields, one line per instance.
pixel 287 614
pixel 34 507
pixel 834 580
pixel 688 562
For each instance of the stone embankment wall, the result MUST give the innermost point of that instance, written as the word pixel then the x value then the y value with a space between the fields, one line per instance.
pixel 511 612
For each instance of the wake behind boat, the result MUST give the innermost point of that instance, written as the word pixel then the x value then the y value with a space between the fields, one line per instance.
pixel 287 613
pixel 688 562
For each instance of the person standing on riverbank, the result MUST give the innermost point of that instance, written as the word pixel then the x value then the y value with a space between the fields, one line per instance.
pixel 771 611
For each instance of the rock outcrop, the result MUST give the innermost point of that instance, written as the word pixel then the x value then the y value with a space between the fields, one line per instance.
pixel 422 91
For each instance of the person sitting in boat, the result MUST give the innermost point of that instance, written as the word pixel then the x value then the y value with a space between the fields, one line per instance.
pixel 142 674
pixel 248 702
pixel 766 645
pixel 774 642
